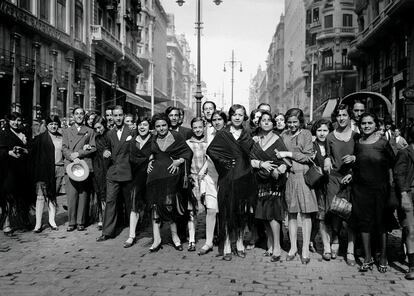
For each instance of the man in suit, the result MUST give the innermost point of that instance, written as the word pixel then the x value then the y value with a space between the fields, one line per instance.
pixel 78 143
pixel 119 174
pixel 173 114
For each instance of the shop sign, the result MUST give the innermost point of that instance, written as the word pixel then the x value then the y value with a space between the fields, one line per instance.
pixel 408 93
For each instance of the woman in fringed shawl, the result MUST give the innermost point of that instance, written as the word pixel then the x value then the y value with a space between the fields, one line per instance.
pixel 47 171
pixel 271 179
pixel 15 199
pixel 140 153
pixel 230 151
pixel 166 179
pixel 100 167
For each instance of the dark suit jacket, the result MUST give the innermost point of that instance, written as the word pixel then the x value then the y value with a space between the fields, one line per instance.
pixel 120 169
pixel 73 141
pixel 404 169
pixel 186 132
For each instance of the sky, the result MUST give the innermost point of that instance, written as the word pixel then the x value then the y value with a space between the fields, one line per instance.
pixel 247 26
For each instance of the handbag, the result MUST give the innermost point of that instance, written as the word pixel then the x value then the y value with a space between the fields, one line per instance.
pixel 341 207
pixel 313 175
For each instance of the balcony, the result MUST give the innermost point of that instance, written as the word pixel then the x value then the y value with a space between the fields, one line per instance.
pixel 345 32
pixel 106 40
pixel 132 59
pixel 336 68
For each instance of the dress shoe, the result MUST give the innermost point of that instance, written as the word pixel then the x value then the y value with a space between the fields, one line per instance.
pixel 350 260
pixel 304 260
pixel 227 257
pixel 410 274
pixel 178 247
pixel 71 228
pixel 205 250
pixel 102 238
pixel 191 247
pixel 240 253
pixel 156 249
pixel 81 228
pixel 38 230
pixel 130 244
pixel 275 258
pixel 326 256
pixel 291 257
pixel 54 228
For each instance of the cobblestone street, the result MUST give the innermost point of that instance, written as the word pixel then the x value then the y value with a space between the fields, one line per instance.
pixel 61 263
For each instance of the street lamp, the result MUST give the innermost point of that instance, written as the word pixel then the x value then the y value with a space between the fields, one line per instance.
pixel 232 63
pixel 198 95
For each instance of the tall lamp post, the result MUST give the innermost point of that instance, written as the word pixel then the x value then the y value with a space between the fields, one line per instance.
pixel 198 95
pixel 232 63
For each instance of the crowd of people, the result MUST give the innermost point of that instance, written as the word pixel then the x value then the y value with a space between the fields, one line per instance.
pixel 245 172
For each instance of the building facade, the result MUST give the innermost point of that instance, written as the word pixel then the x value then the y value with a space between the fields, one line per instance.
pixel 258 89
pixel 181 73
pixel 44 56
pixel 275 73
pixel 294 53
pixel 152 52
pixel 115 65
pixel 384 54
pixel 330 27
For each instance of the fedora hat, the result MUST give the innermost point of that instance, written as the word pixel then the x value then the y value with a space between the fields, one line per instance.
pixel 78 171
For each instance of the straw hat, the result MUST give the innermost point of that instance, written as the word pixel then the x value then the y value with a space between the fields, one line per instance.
pixel 78 171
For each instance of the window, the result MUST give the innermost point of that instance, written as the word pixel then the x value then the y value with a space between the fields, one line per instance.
pixel 25 4
pixel 61 15
pixel 329 21
pixel 79 20
pixel 345 60
pixel 347 20
pixel 327 61
pixel 316 15
pixel 44 10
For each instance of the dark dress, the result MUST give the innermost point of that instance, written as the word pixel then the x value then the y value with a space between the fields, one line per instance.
pixel 163 188
pixel 336 150
pixel 139 158
pixel 321 187
pixel 236 184
pixel 15 197
pixel 371 186
pixel 100 167
pixel 270 194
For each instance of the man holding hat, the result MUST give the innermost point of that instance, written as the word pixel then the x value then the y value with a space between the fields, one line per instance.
pixel 77 147
pixel 118 176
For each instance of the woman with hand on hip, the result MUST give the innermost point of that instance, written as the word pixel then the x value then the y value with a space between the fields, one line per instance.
pixel 170 153
pixel 299 197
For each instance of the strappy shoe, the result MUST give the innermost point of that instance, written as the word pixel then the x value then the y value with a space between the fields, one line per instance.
pixel 382 268
pixel 191 247
pixel 366 266
pixel 291 257
pixel 267 254
pixel 275 258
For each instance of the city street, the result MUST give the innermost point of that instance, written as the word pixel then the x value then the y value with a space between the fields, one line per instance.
pixel 62 263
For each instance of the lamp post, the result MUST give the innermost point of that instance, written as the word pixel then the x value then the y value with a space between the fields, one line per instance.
pixel 198 95
pixel 232 63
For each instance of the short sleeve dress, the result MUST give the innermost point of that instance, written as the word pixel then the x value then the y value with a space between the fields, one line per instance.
pixel 300 198
pixel 371 186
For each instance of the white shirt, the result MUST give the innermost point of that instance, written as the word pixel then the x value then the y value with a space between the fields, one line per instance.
pixel 119 133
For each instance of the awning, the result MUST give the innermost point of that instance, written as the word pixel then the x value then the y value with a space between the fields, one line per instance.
pixel 159 97
pixel 131 97
pixel 364 95
pixel 330 108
